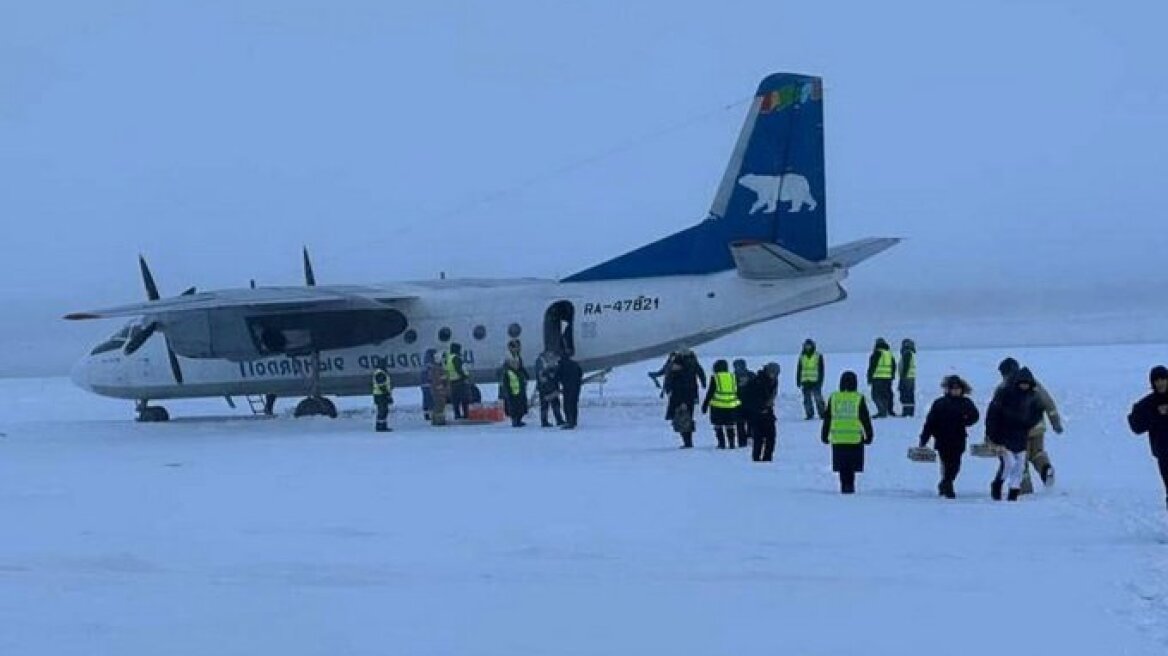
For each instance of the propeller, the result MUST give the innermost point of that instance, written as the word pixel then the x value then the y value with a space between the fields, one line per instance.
pixel 309 275
pixel 139 338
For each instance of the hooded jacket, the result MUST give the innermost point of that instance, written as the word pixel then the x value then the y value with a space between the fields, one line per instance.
pixel 1150 415
pixel 1013 412
pixel 948 421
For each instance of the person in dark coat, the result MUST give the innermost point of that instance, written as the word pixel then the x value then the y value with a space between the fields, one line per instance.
pixel 947 424
pixel 847 427
pixel 742 375
pixel 515 388
pixel 547 384
pixel 758 407
pixel 881 372
pixel 722 404
pixel 571 377
pixel 681 385
pixel 908 378
pixel 1015 409
pixel 1150 415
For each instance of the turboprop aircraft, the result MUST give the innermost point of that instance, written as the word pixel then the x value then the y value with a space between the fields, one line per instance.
pixel 761 253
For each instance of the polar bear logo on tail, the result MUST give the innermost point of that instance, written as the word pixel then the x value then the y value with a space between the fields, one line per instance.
pixel 774 189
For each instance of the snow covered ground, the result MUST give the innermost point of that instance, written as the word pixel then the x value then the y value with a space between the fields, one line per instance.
pixel 222 534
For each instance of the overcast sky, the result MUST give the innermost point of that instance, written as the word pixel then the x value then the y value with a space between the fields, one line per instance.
pixel 1009 141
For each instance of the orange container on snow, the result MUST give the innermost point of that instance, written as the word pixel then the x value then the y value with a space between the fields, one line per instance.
pixel 485 413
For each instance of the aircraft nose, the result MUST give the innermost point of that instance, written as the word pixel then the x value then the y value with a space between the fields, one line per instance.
pixel 80 374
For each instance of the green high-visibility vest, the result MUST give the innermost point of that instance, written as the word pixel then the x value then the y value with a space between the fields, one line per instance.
pixel 809 368
pixel 448 364
pixel 912 365
pixel 884 368
pixel 381 384
pixel 725 391
pixel 513 383
pixel 845 418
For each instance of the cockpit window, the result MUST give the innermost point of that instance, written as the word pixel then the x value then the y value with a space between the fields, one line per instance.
pixel 117 341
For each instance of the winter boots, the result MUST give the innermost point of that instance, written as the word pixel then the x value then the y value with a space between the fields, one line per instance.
pixel 847 482
pixel 1014 494
pixel 945 489
pixel 1027 486
pixel 996 489
pixel 1047 475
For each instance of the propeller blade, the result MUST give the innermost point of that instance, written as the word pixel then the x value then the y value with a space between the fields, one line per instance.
pixel 230 402
pixel 148 280
pixel 309 276
pixel 253 283
pixel 189 291
pixel 175 368
pixel 139 337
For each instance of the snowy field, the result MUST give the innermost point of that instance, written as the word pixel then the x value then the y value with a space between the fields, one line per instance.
pixel 222 534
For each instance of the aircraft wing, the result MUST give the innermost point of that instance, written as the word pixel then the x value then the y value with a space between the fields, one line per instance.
pixel 280 299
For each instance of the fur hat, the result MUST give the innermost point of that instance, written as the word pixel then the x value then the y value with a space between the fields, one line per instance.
pixel 956 381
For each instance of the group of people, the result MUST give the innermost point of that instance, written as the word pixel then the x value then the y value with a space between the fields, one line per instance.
pixel 446 380
pixel 558 378
pixel 741 406
pixel 883 369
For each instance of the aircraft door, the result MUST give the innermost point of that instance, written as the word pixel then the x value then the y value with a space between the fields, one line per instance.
pixel 559 328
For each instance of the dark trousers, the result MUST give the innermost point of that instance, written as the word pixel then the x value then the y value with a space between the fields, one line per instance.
pixel 813 400
pixel 554 403
pixel 882 396
pixel 762 431
pixel 382 403
pixel 1164 472
pixel 571 404
pixel 950 467
pixel 458 399
pixel 744 433
pixel 847 482
pixel 725 435
pixel 908 396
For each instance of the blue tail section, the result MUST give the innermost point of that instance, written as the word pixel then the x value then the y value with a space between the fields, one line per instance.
pixel 773 191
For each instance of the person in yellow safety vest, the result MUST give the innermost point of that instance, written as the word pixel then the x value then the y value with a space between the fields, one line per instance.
pixel 881 372
pixel 455 375
pixel 382 398
pixel 908 378
pixel 809 378
pixel 722 403
pixel 515 389
pixel 847 427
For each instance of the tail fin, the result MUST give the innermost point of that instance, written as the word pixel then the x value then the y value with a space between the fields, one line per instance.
pixel 773 191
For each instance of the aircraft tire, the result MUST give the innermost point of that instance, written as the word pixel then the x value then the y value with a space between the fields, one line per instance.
pixel 153 414
pixel 315 407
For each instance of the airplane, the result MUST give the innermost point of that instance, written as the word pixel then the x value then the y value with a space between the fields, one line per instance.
pixel 760 253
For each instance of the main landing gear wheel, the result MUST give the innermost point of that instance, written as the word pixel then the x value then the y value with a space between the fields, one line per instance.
pixel 152 413
pixel 315 406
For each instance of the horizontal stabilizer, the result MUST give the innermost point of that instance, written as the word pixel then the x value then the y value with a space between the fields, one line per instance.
pixel 854 252
pixel 758 260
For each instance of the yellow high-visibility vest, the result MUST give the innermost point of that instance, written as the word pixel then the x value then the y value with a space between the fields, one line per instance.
pixel 725 391
pixel 845 418
pixel 912 365
pixel 383 386
pixel 809 368
pixel 513 383
pixel 884 366
pixel 448 365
